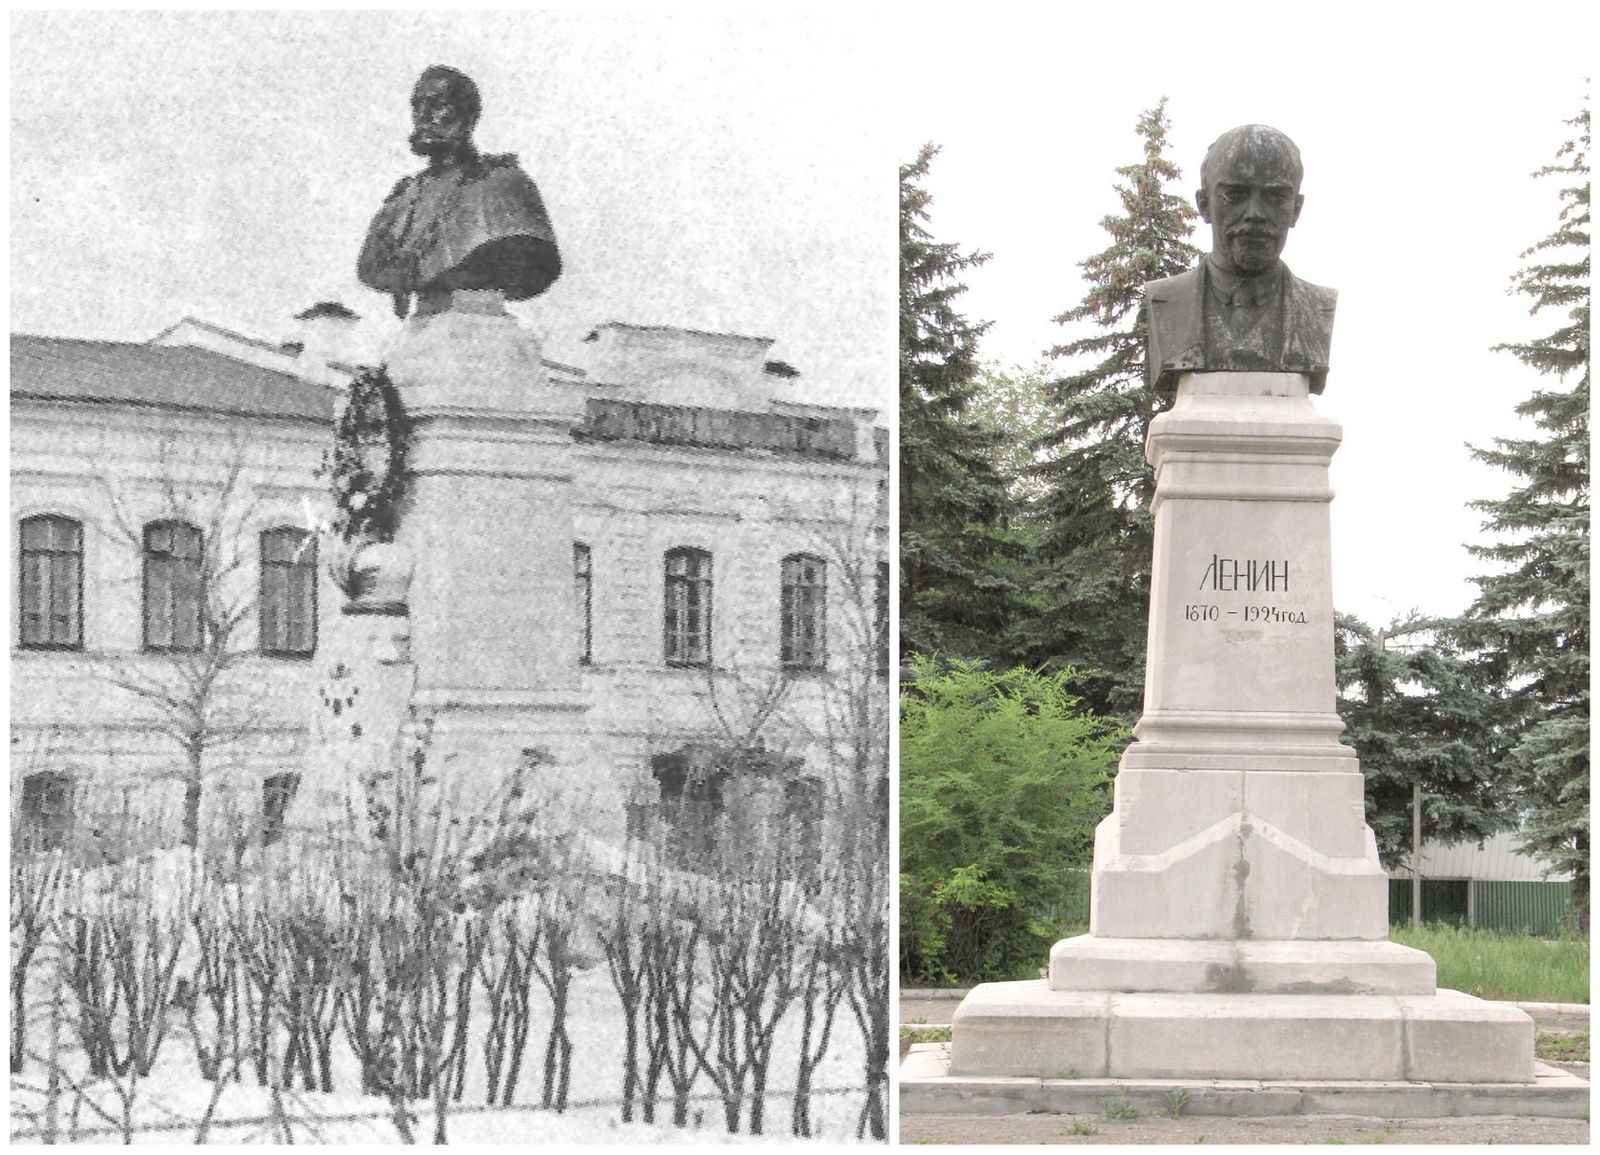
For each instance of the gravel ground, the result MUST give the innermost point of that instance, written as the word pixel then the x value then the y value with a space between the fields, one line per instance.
pixel 1212 1130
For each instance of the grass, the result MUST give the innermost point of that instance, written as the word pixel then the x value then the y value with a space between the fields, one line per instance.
pixel 1494 965
pixel 1570 1047
pixel 925 1035
pixel 1082 1127
pixel 1122 1109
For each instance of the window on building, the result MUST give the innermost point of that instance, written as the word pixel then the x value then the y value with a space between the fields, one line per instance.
pixel 688 804
pixel 804 612
pixel 45 813
pixel 288 601
pixel 174 586
pixel 277 791
pixel 686 622
pixel 51 593
pixel 880 607
pixel 800 828
pixel 583 597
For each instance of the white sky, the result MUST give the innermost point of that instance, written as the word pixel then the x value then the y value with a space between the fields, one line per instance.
pixel 734 171
pixel 711 171
pixel 1419 126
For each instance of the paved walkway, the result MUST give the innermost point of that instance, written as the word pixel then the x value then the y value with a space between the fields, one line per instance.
pixel 985 1129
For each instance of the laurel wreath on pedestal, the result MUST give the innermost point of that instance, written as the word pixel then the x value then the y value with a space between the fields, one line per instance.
pixel 367 464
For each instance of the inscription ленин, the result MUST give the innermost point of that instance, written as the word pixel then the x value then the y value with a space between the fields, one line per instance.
pixel 1248 575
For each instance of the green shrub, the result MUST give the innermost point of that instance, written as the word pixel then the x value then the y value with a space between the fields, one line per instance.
pixel 1003 778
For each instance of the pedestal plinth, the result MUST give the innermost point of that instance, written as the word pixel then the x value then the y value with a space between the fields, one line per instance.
pixel 1239 913
pixel 488 527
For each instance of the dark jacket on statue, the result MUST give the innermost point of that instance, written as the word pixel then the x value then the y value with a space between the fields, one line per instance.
pixel 1177 341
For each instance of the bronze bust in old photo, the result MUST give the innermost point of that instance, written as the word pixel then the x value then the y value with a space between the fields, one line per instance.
pixel 468 220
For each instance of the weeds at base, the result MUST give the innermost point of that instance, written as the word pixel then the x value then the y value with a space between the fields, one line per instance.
pixel 1570 1047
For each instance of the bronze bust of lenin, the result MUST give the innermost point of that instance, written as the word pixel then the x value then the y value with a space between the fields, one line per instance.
pixel 1240 309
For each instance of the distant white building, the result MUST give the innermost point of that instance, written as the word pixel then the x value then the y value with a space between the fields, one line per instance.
pixel 1492 886
pixel 724 527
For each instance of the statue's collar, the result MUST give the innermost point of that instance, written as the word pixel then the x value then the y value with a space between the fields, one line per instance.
pixel 1231 288
pixel 465 161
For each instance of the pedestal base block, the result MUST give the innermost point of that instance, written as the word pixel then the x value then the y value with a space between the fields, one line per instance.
pixel 1090 963
pixel 1237 855
pixel 1027 1029
pixel 927 1087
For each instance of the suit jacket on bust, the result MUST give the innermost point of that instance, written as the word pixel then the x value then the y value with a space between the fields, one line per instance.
pixel 1174 310
pixel 479 224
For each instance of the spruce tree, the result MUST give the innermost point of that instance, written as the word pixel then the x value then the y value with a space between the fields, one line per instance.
pixel 1530 619
pixel 1091 589
pixel 1418 711
pixel 953 599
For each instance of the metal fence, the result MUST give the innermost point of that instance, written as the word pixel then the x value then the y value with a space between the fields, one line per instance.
pixel 1526 907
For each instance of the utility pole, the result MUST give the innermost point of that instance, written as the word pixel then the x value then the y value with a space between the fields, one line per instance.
pixel 1416 854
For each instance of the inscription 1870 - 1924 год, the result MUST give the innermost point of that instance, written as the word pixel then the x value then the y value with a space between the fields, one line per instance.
pixel 1245 575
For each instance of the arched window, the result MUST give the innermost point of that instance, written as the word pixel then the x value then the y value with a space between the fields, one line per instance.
pixel 803 612
pixel 174 586
pixel 45 812
pixel 686 622
pixel 50 600
pixel 583 597
pixel 288 600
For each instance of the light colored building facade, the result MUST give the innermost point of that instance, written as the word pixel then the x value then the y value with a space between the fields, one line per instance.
pixel 1490 885
pixel 730 576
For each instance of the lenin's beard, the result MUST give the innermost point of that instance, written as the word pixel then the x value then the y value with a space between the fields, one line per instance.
pixel 1252 251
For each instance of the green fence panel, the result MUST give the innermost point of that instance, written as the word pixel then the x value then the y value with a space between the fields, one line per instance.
pixel 1521 907
pixel 1443 900
pixel 1528 907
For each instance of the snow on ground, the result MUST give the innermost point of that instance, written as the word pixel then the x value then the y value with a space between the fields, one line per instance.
pixel 168 1106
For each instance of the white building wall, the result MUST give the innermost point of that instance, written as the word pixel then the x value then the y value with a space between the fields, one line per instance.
pixel 633 502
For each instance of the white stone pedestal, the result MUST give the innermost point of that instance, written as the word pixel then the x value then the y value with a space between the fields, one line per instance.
pixel 1239 912
pixel 488 527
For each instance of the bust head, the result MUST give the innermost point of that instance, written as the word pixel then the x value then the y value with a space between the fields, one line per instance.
pixel 444 110
pixel 1250 196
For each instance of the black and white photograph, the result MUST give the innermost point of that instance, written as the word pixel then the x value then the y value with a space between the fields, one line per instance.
pixel 451 658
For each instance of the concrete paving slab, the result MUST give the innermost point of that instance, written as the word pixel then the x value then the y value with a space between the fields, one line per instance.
pixel 927 1089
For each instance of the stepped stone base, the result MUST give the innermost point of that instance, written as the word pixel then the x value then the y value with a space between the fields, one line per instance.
pixel 1249 966
pixel 927 1088
pixel 1027 1029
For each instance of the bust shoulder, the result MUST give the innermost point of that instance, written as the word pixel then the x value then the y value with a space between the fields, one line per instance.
pixel 1177 286
pixel 493 160
pixel 1314 297
pixel 400 186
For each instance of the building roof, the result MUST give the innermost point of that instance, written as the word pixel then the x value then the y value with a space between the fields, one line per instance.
pixel 166 336
pixel 1496 860
pixel 166 376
